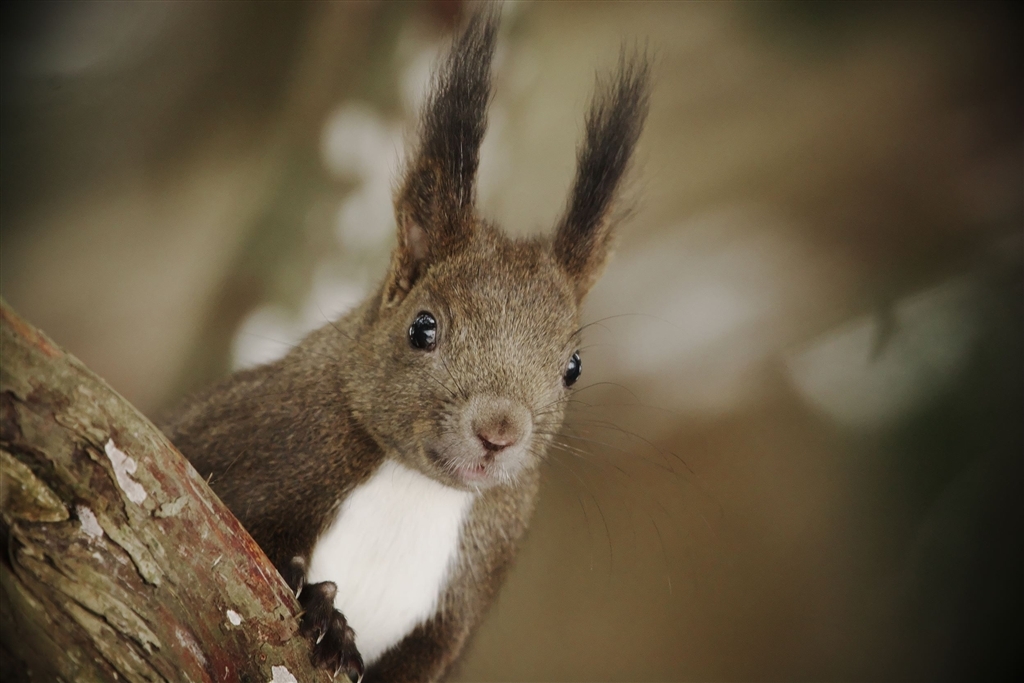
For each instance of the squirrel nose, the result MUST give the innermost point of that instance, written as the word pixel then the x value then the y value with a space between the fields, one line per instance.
pixel 495 440
pixel 498 423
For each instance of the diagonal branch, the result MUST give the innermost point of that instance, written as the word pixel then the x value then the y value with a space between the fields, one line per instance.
pixel 120 562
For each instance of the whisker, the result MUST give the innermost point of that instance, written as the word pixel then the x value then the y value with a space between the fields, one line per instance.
pixel 622 315
pixel 563 399
pixel 703 487
pixel 600 512
pixel 629 481
pixel 612 384
pixel 293 347
pixel 461 390
pixel 331 323
pixel 595 442
pixel 593 422
pixel 664 553
pixel 440 383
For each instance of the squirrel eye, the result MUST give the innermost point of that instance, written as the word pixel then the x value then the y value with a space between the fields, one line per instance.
pixel 423 332
pixel 573 369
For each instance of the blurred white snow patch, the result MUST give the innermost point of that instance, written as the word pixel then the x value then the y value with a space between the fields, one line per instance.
pixel 266 335
pixel 366 218
pixel 331 297
pixel 414 81
pixel 495 157
pixel 699 309
pixel 358 143
pixel 420 48
pixel 271 331
pixel 863 381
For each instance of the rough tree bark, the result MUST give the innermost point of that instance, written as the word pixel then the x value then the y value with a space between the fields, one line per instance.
pixel 120 562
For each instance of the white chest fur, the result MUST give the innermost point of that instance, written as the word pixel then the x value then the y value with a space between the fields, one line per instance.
pixel 389 550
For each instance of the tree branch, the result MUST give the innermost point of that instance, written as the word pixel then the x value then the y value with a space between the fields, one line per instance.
pixel 121 563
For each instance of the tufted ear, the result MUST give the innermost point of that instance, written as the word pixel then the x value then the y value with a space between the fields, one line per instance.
pixel 435 204
pixel 613 125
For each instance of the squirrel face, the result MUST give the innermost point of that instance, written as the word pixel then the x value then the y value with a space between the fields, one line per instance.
pixel 478 353
pixel 468 350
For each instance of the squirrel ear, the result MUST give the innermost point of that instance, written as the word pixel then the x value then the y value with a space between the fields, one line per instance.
pixel 407 261
pixel 435 204
pixel 613 125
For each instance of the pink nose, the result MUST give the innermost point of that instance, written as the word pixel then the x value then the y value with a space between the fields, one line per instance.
pixel 499 423
pixel 495 440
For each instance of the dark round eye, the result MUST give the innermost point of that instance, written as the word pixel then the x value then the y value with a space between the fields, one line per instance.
pixel 423 332
pixel 573 369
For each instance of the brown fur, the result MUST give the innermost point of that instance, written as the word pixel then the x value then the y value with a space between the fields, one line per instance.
pixel 285 443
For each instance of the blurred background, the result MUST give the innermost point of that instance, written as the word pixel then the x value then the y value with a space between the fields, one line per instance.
pixel 798 452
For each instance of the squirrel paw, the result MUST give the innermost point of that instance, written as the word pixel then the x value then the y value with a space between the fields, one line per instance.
pixel 333 640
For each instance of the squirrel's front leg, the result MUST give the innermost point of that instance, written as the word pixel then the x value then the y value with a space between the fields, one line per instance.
pixel 332 639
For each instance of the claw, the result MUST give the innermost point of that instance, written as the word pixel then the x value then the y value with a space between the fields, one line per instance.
pixel 325 628
pixel 347 677
pixel 295 574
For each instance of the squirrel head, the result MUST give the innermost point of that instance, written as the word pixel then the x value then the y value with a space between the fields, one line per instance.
pixel 468 352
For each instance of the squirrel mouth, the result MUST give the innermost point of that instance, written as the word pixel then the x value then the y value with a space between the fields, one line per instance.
pixel 467 473
pixel 473 473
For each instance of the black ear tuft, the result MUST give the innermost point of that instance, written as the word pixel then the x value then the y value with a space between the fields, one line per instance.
pixel 455 117
pixel 613 125
pixel 435 203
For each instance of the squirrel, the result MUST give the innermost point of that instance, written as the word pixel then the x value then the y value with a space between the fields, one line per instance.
pixel 389 464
